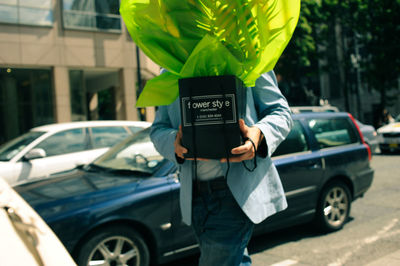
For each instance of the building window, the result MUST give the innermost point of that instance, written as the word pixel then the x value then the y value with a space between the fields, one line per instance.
pixel 92 15
pixel 78 95
pixel 26 100
pixel 28 12
pixel 93 94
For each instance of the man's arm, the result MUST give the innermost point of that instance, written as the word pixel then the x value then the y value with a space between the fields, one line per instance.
pixel 275 121
pixel 163 135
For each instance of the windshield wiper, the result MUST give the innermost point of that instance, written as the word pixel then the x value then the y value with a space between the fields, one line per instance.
pixel 95 167
pixel 130 172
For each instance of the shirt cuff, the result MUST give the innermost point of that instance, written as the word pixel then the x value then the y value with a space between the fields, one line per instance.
pixel 179 160
pixel 262 149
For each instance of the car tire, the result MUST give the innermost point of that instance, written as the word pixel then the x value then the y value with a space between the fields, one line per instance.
pixel 116 246
pixel 333 207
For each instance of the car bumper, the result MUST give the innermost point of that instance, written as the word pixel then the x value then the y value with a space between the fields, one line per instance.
pixel 392 147
pixel 363 182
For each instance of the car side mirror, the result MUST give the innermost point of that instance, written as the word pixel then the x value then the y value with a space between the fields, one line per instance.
pixel 35 154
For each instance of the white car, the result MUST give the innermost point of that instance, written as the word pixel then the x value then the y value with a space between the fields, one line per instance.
pixel 389 137
pixel 306 109
pixel 25 238
pixel 58 147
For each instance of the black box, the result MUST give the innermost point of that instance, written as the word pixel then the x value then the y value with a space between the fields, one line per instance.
pixel 210 112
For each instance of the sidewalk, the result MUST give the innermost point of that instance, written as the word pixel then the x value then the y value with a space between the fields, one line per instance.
pixel 392 259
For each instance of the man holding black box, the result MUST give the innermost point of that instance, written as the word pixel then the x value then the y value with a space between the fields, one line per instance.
pixel 222 198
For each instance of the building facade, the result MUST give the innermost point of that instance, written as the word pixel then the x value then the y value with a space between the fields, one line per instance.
pixel 67 60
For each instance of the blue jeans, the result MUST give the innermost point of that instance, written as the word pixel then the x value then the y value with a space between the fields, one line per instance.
pixel 222 229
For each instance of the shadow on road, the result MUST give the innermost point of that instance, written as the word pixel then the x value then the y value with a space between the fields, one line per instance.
pixel 270 240
pixel 266 241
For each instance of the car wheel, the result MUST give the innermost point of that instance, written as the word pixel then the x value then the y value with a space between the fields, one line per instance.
pixel 114 246
pixel 333 207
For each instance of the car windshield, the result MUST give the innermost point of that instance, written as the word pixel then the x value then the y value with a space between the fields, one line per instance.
pixel 9 149
pixel 136 154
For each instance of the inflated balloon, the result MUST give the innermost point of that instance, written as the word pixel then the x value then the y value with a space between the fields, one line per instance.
pixel 194 38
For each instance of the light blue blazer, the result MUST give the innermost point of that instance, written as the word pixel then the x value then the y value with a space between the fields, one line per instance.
pixel 259 193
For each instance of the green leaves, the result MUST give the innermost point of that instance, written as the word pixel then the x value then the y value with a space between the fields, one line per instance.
pixel 208 37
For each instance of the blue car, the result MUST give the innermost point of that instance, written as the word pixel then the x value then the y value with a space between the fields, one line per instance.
pixel 123 208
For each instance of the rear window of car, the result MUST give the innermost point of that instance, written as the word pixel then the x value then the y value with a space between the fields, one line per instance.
pixel 333 132
pixel 294 142
pixel 107 136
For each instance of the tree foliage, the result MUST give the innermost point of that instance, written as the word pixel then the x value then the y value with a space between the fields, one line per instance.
pixel 378 25
pixel 329 31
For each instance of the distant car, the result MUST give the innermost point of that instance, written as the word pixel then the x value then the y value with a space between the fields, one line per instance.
pixel 389 137
pixel 306 109
pixel 370 135
pixel 25 238
pixel 124 207
pixel 57 147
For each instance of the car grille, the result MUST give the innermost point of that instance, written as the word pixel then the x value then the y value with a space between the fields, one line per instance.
pixel 391 135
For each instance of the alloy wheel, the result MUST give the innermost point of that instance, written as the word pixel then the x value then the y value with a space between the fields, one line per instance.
pixel 336 206
pixel 115 251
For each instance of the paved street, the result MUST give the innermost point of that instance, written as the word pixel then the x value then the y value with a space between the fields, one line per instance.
pixel 371 235
pixel 372 232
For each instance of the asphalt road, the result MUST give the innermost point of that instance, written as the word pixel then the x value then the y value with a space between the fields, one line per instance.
pixel 372 232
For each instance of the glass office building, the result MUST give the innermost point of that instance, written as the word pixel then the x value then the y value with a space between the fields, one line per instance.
pixel 67 60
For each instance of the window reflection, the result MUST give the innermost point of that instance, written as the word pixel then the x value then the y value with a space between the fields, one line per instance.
pixel 8 2
pixel 36 3
pixel 35 16
pixel 68 141
pixel 333 132
pixel 31 12
pixel 107 136
pixel 8 14
pixel 91 14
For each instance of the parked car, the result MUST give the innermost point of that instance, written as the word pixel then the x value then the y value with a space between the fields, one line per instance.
pixel 125 205
pixel 370 135
pixel 368 131
pixel 57 147
pixel 25 238
pixel 307 109
pixel 389 137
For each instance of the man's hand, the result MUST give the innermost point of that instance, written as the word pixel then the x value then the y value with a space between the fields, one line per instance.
pixel 179 149
pixel 246 150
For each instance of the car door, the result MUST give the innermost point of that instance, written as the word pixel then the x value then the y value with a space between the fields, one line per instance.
pixel 63 151
pixel 184 237
pixel 300 170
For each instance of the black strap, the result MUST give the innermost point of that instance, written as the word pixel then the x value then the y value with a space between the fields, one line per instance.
pixel 255 157
pixel 224 129
pixel 194 145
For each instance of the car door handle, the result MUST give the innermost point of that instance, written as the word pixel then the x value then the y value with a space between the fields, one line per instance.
pixel 315 166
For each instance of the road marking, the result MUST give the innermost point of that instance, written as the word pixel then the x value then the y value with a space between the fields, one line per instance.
pixel 384 232
pixel 285 263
